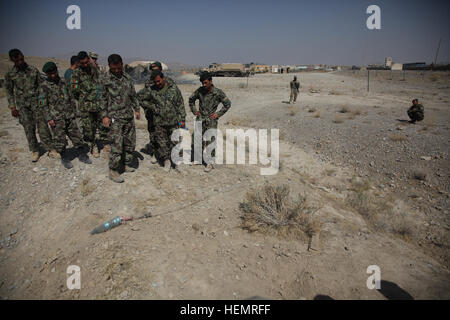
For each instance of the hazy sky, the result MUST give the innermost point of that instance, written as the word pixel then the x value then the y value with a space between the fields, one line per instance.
pixel 201 32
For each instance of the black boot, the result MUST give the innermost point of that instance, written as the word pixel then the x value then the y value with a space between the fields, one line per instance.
pixel 83 157
pixel 65 161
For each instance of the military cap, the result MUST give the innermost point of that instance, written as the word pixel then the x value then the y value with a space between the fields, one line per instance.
pixel 93 55
pixel 49 67
pixel 156 63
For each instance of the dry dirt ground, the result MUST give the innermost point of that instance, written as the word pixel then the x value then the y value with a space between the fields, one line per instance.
pixel 380 187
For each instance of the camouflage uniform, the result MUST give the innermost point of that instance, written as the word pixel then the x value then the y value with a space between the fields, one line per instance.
pixel 86 89
pixel 120 101
pixel 416 112
pixel 147 110
pixel 295 86
pixel 167 107
pixel 22 89
pixel 55 104
pixel 208 103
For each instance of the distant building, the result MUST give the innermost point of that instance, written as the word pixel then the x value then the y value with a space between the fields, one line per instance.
pixel 388 62
pixel 276 69
pixel 396 66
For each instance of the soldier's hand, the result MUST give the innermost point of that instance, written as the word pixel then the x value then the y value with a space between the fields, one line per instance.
pixel 197 113
pixel 52 123
pixel 106 121
pixel 214 116
pixel 138 115
pixel 14 112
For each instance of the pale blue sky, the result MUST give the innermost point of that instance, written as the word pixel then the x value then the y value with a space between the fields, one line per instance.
pixel 201 32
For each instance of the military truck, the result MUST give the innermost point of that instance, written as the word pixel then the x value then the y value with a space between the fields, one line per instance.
pixel 226 70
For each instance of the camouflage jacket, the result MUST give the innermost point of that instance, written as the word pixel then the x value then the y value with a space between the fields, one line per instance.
pixel 54 100
pixel 22 87
pixel 86 89
pixel 416 108
pixel 119 97
pixel 209 101
pixel 166 104
pixel 295 85
pixel 146 104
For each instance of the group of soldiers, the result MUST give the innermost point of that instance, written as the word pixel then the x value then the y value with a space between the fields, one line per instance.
pixel 104 103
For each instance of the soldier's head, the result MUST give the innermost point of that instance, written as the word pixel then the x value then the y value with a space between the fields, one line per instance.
pixel 415 101
pixel 206 80
pixel 115 64
pixel 16 56
pixel 74 62
pixel 94 57
pixel 83 59
pixel 51 71
pixel 295 78
pixel 158 78
pixel 156 66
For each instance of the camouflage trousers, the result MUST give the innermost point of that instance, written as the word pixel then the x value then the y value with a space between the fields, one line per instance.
pixel 163 143
pixel 123 138
pixel 415 115
pixel 30 118
pixel 150 128
pixel 294 94
pixel 67 127
pixel 90 123
pixel 206 125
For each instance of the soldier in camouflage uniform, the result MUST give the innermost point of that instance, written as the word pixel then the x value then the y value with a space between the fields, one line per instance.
pixel 86 89
pixel 167 105
pixel 59 112
pixel 150 147
pixel 295 87
pixel 416 111
pixel 22 90
pixel 209 99
pixel 120 105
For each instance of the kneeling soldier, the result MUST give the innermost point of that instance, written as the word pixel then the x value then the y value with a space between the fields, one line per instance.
pixel 59 112
pixel 120 104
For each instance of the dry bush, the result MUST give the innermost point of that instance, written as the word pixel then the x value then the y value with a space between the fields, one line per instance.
pixel 317 115
pixel 86 187
pixel 334 92
pixel 271 210
pixel 397 137
pixel 338 120
pixel 311 110
pixel 344 110
pixel 419 175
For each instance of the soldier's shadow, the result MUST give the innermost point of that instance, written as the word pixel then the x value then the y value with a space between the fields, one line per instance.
pixel 287 102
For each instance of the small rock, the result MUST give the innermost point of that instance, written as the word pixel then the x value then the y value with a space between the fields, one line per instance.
pixel 426 158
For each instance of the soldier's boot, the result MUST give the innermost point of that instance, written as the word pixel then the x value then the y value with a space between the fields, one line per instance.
pixel 65 161
pixel 153 159
pixel 209 167
pixel 35 156
pixel 83 157
pixel 115 176
pixel 129 169
pixel 95 152
pixel 167 165
pixel 54 154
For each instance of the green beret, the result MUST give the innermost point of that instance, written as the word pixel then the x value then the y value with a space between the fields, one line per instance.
pixel 156 63
pixel 49 67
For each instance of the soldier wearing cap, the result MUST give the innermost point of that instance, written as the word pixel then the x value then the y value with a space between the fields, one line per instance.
pixel 59 112
pixel 22 89
pixel 209 98
pixel 150 147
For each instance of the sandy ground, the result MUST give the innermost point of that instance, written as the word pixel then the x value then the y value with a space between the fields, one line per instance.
pixel 380 186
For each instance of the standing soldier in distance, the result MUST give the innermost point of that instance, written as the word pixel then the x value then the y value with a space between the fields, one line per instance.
pixel 86 88
pixel 295 88
pixel 209 99
pixel 22 89
pixel 150 147
pixel 167 105
pixel 120 106
pixel 59 112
